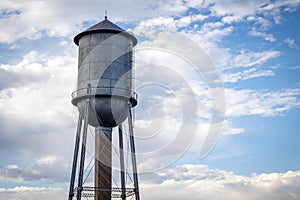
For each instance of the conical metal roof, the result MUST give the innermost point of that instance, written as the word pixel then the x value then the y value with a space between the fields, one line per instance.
pixel 104 26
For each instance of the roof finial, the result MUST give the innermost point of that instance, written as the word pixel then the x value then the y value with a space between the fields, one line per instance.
pixel 105 14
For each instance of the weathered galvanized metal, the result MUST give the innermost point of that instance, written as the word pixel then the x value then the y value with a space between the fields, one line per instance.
pixel 104 26
pixel 104 73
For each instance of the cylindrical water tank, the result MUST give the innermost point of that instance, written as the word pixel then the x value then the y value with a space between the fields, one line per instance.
pixel 104 73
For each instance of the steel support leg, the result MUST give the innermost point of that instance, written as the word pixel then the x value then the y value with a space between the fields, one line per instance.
pixel 75 157
pixel 83 148
pixel 123 185
pixel 133 158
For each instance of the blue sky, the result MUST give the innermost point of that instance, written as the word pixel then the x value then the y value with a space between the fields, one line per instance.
pixel 253 45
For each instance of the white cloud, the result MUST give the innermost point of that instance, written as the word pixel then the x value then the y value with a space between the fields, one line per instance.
pixel 290 42
pixel 205 183
pixel 175 6
pixel 246 74
pixel 265 12
pixel 29 70
pixel 47 160
pixel 263 103
pixel 210 38
pixel 265 36
pixel 249 58
pixel 209 34
pixel 170 23
pixel 228 129
pixel 37 99
pixel 237 8
pixel 295 68
pixel 49 169
pixel 231 19
pixel 159 22
pixel 187 20
pixel 32 193
pixel 42 95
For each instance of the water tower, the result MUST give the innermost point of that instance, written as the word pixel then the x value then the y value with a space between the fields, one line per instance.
pixel 104 98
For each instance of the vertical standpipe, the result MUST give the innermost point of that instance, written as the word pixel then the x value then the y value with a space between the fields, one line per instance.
pixel 103 159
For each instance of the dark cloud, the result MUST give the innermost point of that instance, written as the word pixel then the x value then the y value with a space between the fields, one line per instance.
pixel 49 169
pixel 9 79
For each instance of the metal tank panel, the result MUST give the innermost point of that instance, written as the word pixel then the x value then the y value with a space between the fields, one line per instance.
pixel 105 64
pixel 104 76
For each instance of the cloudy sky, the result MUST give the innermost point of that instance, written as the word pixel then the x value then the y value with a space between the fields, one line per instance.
pixel 218 84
